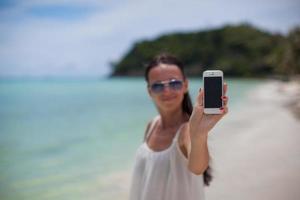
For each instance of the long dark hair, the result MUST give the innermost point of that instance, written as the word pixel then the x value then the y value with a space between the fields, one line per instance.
pixel 187 106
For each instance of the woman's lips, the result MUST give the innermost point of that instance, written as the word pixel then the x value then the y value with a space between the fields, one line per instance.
pixel 168 98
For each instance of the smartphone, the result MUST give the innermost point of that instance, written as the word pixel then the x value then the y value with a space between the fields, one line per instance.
pixel 213 91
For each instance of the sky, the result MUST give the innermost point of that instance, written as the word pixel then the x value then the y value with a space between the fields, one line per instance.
pixel 80 38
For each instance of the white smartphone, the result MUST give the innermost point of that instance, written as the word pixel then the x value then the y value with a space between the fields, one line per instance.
pixel 213 91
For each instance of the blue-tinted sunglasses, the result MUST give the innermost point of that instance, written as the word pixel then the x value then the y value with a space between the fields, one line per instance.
pixel 173 84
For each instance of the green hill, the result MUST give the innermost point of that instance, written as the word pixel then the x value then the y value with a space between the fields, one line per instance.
pixel 241 50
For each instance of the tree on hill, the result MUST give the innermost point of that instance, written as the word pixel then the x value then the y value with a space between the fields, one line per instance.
pixel 241 50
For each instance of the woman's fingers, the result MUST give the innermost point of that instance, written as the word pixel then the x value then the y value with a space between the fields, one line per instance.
pixel 199 101
pixel 225 87
pixel 216 118
pixel 225 100
pixel 225 110
pixel 224 97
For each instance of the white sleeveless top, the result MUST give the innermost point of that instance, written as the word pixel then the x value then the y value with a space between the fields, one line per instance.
pixel 164 175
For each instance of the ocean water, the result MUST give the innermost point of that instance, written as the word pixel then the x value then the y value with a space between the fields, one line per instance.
pixel 71 139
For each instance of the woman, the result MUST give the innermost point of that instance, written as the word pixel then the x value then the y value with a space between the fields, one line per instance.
pixel 172 163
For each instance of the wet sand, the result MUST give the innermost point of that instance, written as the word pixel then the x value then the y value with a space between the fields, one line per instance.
pixel 255 150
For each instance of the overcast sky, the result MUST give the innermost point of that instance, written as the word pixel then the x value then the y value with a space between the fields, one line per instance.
pixel 81 37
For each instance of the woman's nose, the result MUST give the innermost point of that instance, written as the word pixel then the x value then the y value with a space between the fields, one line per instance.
pixel 166 89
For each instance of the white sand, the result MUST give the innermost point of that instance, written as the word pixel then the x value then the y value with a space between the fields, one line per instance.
pixel 255 150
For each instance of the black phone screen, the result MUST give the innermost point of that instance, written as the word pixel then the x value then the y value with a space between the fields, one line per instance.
pixel 212 92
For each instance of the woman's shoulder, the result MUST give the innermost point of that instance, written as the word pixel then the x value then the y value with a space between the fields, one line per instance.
pixel 150 124
pixel 153 120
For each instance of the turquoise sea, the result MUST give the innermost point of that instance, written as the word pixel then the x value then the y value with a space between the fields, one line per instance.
pixel 61 139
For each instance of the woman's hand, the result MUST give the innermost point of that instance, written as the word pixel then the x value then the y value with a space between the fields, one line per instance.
pixel 201 123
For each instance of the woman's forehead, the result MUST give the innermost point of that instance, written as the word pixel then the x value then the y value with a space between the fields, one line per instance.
pixel 164 72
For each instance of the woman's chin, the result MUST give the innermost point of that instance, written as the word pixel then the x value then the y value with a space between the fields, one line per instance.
pixel 170 105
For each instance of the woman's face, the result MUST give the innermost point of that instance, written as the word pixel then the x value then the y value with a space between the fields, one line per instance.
pixel 168 99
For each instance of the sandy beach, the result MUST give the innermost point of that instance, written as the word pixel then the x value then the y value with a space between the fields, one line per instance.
pixel 255 151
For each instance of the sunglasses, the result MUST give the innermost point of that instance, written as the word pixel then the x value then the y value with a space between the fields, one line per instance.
pixel 173 84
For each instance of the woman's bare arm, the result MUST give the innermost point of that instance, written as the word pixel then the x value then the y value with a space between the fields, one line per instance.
pixel 196 152
pixel 199 126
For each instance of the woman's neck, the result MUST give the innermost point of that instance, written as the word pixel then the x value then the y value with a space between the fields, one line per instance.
pixel 172 119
